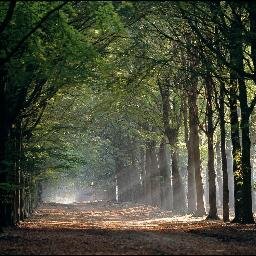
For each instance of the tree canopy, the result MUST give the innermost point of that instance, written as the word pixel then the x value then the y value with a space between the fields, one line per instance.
pixel 144 101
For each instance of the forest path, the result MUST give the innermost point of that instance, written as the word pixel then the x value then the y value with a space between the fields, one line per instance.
pixel 108 228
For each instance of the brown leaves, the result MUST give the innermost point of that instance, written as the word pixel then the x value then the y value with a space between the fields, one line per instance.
pixel 109 228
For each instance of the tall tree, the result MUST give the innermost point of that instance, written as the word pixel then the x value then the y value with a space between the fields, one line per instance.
pixel 210 132
pixel 164 168
pixel 171 128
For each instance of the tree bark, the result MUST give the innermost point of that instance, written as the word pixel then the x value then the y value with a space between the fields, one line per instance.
pixel 247 215
pixel 210 132
pixel 135 178
pixel 155 175
pixel 164 168
pixel 148 193
pixel 121 181
pixel 236 151
pixel 142 197
pixel 230 173
pixel 191 193
pixel 243 208
pixel 171 133
pixel 8 15
pixel 6 200
pixel 194 142
pixel 225 199
pixel 219 174
pixel 178 189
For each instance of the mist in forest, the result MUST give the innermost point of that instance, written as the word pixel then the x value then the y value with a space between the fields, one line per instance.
pixel 145 102
pixel 136 185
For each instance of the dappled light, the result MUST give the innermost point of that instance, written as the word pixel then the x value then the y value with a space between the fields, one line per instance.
pixel 124 228
pixel 127 127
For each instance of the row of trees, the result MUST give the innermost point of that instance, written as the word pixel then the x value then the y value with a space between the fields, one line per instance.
pixel 42 50
pixel 120 93
pixel 207 59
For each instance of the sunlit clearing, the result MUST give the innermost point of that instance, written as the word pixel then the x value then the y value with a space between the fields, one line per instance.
pixel 65 199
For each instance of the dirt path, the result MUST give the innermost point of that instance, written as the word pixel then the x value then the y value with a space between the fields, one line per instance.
pixel 101 228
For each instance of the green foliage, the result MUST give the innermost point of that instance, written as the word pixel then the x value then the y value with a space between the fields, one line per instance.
pixel 8 187
pixel 85 84
pixel 107 19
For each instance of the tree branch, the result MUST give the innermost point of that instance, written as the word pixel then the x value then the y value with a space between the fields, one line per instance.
pixel 253 103
pixel 38 25
pixel 8 16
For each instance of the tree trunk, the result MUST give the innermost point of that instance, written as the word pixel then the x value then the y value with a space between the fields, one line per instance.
pixel 221 110
pixel 246 167
pixel 194 143
pixel 22 196
pixel 243 208
pixel 6 197
pixel 179 205
pixel 121 181
pixel 135 178
pixel 164 168
pixel 247 215
pixel 210 132
pixel 155 175
pixel 225 199
pixel 148 197
pixel 252 18
pixel 230 174
pixel 172 135
pixel 191 193
pixel 236 151
pixel 219 174
pixel 142 197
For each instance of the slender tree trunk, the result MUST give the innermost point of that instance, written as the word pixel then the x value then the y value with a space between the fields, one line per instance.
pixel 22 195
pixel 206 189
pixel 191 193
pixel 252 41
pixel 178 189
pixel 194 142
pixel 211 177
pixel 172 135
pixel 155 175
pixel 247 215
pixel 246 156
pixel 252 18
pixel 15 137
pixel 6 199
pixel 221 110
pixel 210 132
pixel 135 178
pixel 142 197
pixel 235 136
pixel 243 208
pixel 121 181
pixel 230 173
pixel 253 175
pixel 164 168
pixel 236 152
pixel 225 200
pixel 219 174
pixel 148 187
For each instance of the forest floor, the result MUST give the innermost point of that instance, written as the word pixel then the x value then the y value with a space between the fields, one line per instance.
pixel 118 229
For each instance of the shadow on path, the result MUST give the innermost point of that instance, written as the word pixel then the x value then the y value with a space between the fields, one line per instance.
pixel 117 229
